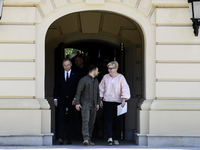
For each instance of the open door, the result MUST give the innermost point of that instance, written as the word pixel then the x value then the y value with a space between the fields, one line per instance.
pixel 94 52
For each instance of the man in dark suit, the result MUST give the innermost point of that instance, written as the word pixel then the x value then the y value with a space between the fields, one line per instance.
pixel 64 94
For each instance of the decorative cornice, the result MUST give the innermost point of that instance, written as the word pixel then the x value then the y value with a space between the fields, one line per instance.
pixel 21 3
pixel 44 10
pixel 170 3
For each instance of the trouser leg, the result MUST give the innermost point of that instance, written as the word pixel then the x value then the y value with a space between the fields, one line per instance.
pixel 61 121
pixel 78 124
pixel 116 123
pixel 71 122
pixel 92 120
pixel 109 113
pixel 85 123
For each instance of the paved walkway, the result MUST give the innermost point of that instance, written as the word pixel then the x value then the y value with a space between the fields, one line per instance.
pixel 100 145
pixel 77 147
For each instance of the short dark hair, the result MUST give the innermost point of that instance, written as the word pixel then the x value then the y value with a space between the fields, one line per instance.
pixel 80 56
pixel 67 59
pixel 92 68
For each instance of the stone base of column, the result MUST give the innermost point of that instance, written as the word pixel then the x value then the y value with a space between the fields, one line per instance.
pixel 141 139
pixel 26 139
pixel 168 140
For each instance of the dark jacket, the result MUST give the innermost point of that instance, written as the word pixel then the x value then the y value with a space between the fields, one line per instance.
pixel 87 91
pixel 65 91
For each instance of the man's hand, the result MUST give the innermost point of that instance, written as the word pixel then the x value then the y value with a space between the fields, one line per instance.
pixel 78 107
pixel 56 103
pixel 73 102
pixel 97 107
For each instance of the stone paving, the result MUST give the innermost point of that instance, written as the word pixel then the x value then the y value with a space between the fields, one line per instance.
pixel 99 145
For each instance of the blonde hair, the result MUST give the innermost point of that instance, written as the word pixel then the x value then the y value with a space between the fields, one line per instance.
pixel 114 64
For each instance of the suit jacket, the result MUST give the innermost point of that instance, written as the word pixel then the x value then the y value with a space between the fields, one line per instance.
pixel 65 92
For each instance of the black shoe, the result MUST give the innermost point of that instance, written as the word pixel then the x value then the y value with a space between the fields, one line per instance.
pixel 110 143
pixel 60 141
pixel 69 142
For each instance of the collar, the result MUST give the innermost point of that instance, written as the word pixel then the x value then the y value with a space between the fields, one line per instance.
pixel 69 72
pixel 90 76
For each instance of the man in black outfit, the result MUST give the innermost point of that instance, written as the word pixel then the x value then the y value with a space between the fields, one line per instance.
pixel 79 65
pixel 82 70
pixel 64 94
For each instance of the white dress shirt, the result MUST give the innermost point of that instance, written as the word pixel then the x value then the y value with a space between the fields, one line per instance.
pixel 65 74
pixel 69 73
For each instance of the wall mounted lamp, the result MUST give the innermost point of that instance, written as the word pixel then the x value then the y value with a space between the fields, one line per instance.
pixel 1 8
pixel 194 6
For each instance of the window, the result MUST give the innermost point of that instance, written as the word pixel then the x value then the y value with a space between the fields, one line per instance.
pixel 71 52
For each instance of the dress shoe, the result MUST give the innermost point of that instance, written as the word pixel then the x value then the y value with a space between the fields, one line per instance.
pixel 116 142
pixel 69 142
pixel 60 141
pixel 91 143
pixel 86 142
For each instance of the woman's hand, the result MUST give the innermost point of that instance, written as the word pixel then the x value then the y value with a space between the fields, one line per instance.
pixel 101 104
pixel 123 102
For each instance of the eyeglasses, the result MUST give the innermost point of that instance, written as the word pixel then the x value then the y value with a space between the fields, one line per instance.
pixel 110 68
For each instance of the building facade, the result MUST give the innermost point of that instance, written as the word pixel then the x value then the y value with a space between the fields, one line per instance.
pixel 157 50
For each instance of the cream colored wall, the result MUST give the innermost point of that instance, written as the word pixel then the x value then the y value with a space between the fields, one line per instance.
pixel 177 59
pixel 17 50
pixel 169 45
pixel 25 117
pixel 174 112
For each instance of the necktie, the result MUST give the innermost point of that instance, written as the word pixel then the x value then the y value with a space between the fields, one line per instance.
pixel 67 78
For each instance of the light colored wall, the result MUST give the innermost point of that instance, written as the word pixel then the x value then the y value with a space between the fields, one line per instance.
pixel 177 59
pixel 24 114
pixel 22 41
pixel 173 114
pixel 17 48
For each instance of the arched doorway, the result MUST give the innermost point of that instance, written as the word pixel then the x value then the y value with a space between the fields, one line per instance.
pixel 145 22
pixel 100 34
